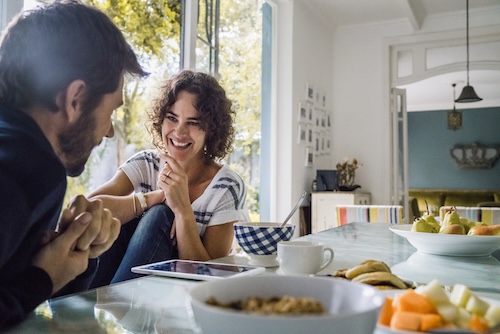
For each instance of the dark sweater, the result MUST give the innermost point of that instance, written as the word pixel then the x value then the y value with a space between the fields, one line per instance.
pixel 32 187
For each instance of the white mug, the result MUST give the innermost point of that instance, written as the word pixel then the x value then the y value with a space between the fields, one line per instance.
pixel 303 257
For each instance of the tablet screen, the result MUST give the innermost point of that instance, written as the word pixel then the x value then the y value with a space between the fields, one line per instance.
pixel 197 270
pixel 210 269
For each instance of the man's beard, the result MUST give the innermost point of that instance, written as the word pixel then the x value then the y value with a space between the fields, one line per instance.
pixel 77 143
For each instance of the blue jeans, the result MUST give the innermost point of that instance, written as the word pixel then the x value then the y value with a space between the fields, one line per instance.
pixel 141 241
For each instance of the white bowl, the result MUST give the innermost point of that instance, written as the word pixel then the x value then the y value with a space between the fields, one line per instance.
pixel 448 244
pixel 352 307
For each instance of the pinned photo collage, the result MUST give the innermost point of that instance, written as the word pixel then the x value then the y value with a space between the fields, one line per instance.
pixel 314 124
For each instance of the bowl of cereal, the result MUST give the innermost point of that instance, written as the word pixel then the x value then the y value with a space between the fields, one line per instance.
pixel 285 304
pixel 260 241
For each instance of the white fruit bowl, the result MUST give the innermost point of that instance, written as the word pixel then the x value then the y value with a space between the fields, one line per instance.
pixel 448 244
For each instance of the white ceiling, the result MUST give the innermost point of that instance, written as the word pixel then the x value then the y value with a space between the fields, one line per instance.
pixel 430 94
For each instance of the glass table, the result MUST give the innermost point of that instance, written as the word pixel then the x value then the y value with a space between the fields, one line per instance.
pixel 160 305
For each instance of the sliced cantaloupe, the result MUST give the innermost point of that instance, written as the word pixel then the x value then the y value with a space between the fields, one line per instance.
pixel 478 324
pixel 410 301
pixel 430 321
pixel 386 312
pixel 407 321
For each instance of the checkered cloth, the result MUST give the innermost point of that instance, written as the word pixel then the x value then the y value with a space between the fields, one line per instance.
pixel 490 216
pixel 261 240
pixel 391 214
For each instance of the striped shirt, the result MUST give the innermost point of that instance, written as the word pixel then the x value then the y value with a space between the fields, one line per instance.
pixel 222 201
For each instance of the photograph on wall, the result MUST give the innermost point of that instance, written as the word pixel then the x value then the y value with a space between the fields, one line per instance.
pixel 309 156
pixel 303 116
pixel 310 112
pixel 301 133
pixel 310 135
pixel 318 98
pixel 309 92
pixel 317 117
pixel 323 143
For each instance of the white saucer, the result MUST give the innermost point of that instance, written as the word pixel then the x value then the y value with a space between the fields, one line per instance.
pixel 268 261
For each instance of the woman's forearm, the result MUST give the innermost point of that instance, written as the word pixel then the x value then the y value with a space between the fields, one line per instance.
pixel 129 207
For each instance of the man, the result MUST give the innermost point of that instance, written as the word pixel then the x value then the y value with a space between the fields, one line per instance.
pixel 62 70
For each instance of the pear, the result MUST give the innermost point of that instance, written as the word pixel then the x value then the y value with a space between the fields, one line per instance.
pixel 466 223
pixel 485 230
pixel 451 217
pixel 429 218
pixel 432 220
pixel 420 225
pixel 452 229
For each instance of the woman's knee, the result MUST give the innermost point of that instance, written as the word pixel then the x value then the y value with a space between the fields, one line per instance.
pixel 158 218
pixel 159 212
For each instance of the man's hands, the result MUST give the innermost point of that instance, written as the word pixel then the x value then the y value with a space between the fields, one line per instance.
pixel 84 232
pixel 101 232
pixel 59 257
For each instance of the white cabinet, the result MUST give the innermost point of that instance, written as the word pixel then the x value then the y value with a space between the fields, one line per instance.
pixel 323 212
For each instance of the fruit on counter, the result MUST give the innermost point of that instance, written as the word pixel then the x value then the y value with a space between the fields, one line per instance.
pixel 492 316
pixel 452 229
pixel 373 272
pixel 460 295
pixel 428 307
pixel 381 278
pixel 450 217
pixel 453 224
pixel 367 266
pixel 429 218
pixel 421 225
pixel 485 230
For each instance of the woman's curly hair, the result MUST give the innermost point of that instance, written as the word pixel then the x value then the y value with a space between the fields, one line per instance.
pixel 214 111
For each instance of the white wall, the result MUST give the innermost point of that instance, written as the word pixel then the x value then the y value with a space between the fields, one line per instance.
pixel 354 63
pixel 308 61
pixel 361 105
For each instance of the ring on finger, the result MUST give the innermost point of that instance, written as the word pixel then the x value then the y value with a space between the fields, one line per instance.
pixel 168 173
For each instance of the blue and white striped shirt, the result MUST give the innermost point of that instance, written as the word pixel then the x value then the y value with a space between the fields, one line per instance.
pixel 222 201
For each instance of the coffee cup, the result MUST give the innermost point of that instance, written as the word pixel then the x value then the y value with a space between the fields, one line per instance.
pixel 303 257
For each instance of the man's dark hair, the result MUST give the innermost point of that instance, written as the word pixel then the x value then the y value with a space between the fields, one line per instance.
pixel 43 50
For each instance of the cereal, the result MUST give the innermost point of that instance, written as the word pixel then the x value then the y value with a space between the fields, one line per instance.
pixel 286 305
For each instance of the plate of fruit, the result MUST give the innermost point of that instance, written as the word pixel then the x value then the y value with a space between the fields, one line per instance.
pixel 454 236
pixel 431 308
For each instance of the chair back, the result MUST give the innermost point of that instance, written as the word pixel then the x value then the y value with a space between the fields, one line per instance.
pixel 487 215
pixel 390 214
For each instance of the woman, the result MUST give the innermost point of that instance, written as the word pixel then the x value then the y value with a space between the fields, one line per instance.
pixel 176 201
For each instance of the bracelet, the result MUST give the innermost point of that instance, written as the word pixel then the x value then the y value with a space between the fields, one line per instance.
pixel 142 201
pixel 133 204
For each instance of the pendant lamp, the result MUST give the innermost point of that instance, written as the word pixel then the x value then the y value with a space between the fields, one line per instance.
pixel 454 116
pixel 468 93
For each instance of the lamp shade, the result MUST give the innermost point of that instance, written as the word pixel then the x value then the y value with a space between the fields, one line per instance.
pixel 468 95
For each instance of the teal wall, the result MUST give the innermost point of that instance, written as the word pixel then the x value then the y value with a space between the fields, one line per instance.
pixel 430 141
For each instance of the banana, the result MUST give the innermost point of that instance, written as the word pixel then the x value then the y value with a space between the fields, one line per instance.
pixel 340 273
pixel 367 266
pixel 380 278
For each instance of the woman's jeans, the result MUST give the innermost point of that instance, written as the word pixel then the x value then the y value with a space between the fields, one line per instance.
pixel 141 241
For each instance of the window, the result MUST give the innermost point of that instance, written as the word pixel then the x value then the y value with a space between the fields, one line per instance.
pixel 224 38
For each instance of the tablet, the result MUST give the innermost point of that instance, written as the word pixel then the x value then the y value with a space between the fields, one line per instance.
pixel 197 270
